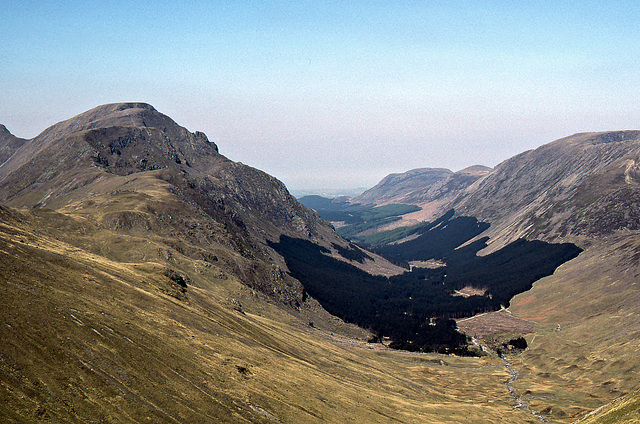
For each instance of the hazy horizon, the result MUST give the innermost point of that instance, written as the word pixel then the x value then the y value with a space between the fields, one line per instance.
pixel 326 95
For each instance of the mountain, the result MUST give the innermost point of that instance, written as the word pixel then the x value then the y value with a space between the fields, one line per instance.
pixel 421 186
pixel 135 171
pixel 574 189
pixel 140 283
pixel 581 189
pixel 397 186
pixel 430 188
pixel 145 277
pixel 9 144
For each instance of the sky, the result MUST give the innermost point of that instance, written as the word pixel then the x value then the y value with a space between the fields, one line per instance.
pixel 332 94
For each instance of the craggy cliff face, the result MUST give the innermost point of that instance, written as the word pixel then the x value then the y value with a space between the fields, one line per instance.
pixel 95 164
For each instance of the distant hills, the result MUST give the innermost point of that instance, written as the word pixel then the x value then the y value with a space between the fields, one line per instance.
pixel 146 277
pixel 421 186
pixel 430 190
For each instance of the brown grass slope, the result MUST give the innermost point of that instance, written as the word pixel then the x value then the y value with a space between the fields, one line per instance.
pixel 625 410
pixel 88 338
pixel 585 351
pixel 137 286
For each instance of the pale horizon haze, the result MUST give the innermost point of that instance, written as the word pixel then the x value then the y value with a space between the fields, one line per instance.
pixel 328 94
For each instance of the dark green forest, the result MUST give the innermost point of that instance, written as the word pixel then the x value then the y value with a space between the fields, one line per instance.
pixel 416 309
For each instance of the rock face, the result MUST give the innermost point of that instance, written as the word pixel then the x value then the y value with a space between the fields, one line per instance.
pixel 9 143
pixel 119 151
pixel 128 138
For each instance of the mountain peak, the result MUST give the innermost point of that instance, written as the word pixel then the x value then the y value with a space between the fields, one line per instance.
pixel 601 137
pixel 9 143
pixel 475 170
pixel 131 114
pixel 118 110
pixel 119 137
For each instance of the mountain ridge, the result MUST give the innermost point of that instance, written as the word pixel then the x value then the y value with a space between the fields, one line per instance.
pixel 141 281
pixel 547 192
pixel 90 159
pixel 386 191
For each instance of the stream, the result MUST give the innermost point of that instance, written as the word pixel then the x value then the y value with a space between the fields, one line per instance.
pixel 520 403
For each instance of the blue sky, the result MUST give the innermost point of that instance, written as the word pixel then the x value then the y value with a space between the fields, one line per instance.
pixel 332 94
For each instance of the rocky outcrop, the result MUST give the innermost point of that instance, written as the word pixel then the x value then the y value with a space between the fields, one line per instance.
pixel 9 143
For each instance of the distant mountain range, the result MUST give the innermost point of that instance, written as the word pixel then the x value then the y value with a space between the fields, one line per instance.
pixel 146 277
pixel 421 186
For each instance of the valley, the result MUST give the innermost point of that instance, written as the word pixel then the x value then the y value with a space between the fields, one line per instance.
pixel 145 277
pixel 87 338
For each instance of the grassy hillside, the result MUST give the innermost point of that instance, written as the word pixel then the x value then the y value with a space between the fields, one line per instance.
pixel 92 339
pixel 584 352
pixel 625 410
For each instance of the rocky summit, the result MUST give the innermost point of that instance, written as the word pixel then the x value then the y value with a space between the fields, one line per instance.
pixel 115 154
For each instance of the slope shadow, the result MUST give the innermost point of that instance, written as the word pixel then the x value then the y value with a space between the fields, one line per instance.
pixel 415 309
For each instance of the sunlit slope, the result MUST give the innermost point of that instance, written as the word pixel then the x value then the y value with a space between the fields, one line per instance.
pixel 625 410
pixel 86 338
pixel 586 349
pixel 574 189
